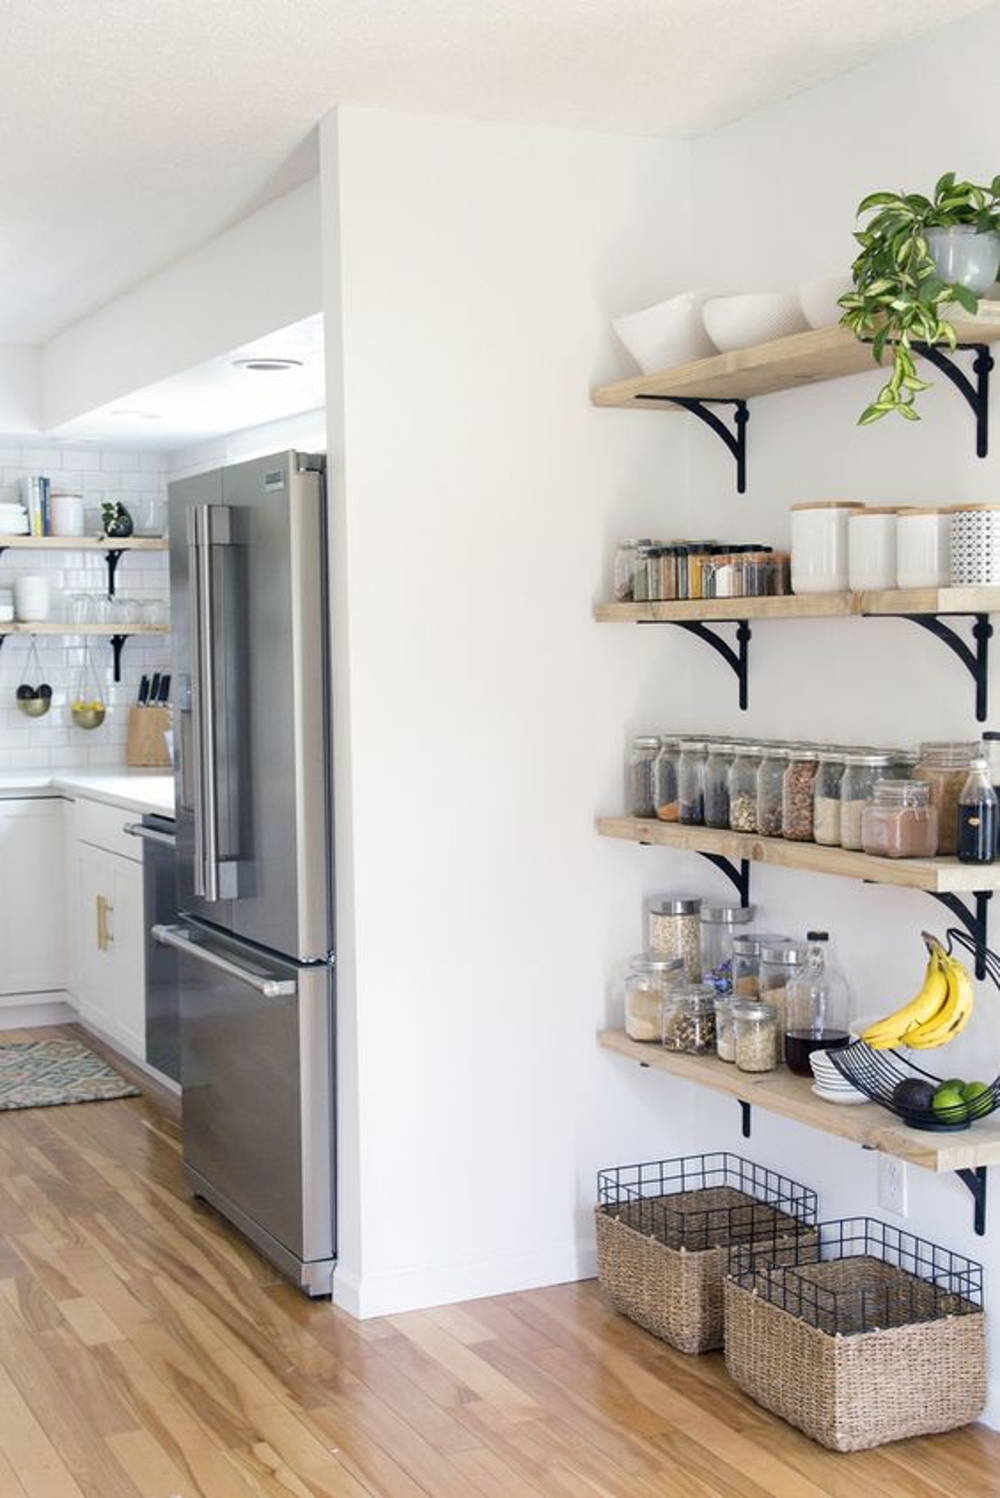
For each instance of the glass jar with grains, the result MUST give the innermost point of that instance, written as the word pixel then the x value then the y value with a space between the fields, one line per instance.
pixel 743 788
pixel 691 782
pixel 797 795
pixel 624 568
pixel 650 978
pixel 689 1020
pixel 665 773
pixel 674 930
pixel 719 925
pixel 856 790
pixel 780 962
pixel 899 821
pixel 770 790
pixel 717 766
pixel 755 1043
pixel 725 1033
pixel 639 776
pixel 746 960
pixel 826 799
pixel 943 766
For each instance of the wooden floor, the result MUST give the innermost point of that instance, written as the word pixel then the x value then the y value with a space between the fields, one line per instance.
pixel 147 1352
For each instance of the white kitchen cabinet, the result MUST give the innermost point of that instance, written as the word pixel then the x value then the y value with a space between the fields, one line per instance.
pixel 32 897
pixel 107 942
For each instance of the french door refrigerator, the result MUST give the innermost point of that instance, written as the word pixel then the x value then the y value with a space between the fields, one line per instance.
pixel 254 854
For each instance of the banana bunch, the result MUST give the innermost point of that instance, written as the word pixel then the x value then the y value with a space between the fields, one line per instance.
pixel 939 1012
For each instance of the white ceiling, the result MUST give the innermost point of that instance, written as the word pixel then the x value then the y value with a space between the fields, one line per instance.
pixel 214 397
pixel 134 130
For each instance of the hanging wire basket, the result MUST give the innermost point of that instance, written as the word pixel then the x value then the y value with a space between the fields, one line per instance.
pixel 33 701
pixel 87 708
pixel 878 1074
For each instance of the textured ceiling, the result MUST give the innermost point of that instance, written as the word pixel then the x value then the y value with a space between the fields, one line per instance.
pixel 133 131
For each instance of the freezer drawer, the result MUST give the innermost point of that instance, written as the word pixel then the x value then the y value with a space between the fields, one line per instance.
pixel 257 1099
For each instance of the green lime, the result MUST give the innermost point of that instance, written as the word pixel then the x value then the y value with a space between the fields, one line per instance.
pixel 949 1101
pixel 979 1097
pixel 954 1082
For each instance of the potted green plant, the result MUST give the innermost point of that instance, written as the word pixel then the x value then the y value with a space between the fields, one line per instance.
pixel 918 257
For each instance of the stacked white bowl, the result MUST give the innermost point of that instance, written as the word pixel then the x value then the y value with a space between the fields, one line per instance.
pixel 829 1084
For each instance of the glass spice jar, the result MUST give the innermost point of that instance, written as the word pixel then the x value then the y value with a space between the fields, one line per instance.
pixel 743 788
pixel 639 800
pixel 649 980
pixel 943 766
pixel 826 799
pixel 665 772
pixel 725 1032
pixel 856 789
pixel 899 821
pixel 770 791
pixel 623 580
pixel 719 925
pixel 717 765
pixel 902 763
pixel 755 1043
pixel 691 782
pixel 673 926
pixel 780 962
pixel 797 795
pixel 689 1020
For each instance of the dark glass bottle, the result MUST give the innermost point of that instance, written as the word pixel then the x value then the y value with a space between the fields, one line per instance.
pixel 977 816
pixel 991 749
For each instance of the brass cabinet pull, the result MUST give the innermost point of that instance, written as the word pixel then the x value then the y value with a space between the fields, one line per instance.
pixel 104 936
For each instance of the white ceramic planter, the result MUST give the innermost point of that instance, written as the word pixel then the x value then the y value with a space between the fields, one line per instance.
pixel 975 546
pixel 871 549
pixel 667 334
pixel 819 546
pixel 964 257
pixel 923 548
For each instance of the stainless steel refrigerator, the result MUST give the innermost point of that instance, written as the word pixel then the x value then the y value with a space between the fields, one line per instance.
pixel 254 854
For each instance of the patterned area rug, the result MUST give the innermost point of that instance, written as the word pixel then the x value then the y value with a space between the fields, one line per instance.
pixel 48 1073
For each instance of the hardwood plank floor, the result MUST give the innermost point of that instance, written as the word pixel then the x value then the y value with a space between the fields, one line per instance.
pixel 146 1351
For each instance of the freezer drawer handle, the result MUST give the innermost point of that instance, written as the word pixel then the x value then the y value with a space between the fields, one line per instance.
pixel 150 834
pixel 269 988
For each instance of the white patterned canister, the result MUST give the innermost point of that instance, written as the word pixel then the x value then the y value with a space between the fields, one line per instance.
pixel 975 545
pixel 923 547
pixel 819 546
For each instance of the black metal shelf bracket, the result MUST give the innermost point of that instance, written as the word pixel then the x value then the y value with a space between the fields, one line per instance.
pixel 976 924
pixel 975 1179
pixel 738 660
pixel 977 394
pixel 112 558
pixel 976 661
pixel 117 646
pixel 744 1118
pixel 735 440
pixel 739 876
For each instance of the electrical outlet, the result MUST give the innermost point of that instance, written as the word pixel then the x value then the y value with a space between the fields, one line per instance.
pixel 892 1185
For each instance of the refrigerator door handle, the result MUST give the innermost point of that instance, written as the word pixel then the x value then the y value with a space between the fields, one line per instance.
pixel 208 525
pixel 268 988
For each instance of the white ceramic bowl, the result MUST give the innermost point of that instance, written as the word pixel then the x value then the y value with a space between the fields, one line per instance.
pixel 818 299
pixel 734 322
pixel 670 333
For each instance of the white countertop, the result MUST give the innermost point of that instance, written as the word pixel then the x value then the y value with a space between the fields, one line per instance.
pixel 133 790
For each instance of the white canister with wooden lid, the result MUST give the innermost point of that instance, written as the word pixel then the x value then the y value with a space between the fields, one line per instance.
pixel 819 546
pixel 975 545
pixel 871 548
pixel 923 547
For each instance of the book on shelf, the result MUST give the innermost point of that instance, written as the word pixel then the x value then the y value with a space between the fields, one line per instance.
pixel 37 491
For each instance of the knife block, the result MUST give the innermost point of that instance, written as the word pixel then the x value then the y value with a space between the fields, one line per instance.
pixel 146 747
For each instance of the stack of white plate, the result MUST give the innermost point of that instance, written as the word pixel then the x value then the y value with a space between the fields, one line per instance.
pixel 829 1084
pixel 13 520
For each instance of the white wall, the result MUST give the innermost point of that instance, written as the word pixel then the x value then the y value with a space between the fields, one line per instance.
pixel 306 432
pixel 262 274
pixel 20 388
pixel 782 187
pixel 480 713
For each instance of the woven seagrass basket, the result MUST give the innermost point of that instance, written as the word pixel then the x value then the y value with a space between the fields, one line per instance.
pixel 865 1336
pixel 665 1229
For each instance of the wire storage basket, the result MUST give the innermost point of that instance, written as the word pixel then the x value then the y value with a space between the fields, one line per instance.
pixel 665 1229
pixel 862 1335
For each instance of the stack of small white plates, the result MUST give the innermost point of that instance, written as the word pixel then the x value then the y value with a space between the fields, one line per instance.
pixel 829 1084
pixel 13 520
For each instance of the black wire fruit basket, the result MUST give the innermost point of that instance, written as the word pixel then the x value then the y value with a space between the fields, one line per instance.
pixel 878 1074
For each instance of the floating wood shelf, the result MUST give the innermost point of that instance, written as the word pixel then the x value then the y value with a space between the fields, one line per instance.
pixel 905 602
pixel 792 1097
pixel 84 629
pixel 935 875
pixel 783 364
pixel 83 543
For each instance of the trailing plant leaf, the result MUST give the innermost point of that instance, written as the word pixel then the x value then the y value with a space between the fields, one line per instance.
pixel 898 295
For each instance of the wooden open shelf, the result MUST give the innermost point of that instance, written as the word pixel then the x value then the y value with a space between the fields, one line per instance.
pixel 782 364
pixel 84 629
pixel 792 1097
pixel 935 875
pixel 914 602
pixel 83 543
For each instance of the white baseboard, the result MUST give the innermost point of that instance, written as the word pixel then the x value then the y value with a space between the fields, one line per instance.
pixel 27 1011
pixel 364 1296
pixel 115 1043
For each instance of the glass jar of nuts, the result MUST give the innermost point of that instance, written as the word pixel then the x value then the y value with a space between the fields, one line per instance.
pixel 755 1037
pixel 689 1020
pixel 743 788
pixel 770 789
pixel 674 930
pixel 797 795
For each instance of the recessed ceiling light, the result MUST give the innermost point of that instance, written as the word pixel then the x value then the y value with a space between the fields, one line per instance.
pixel 267 366
pixel 131 415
